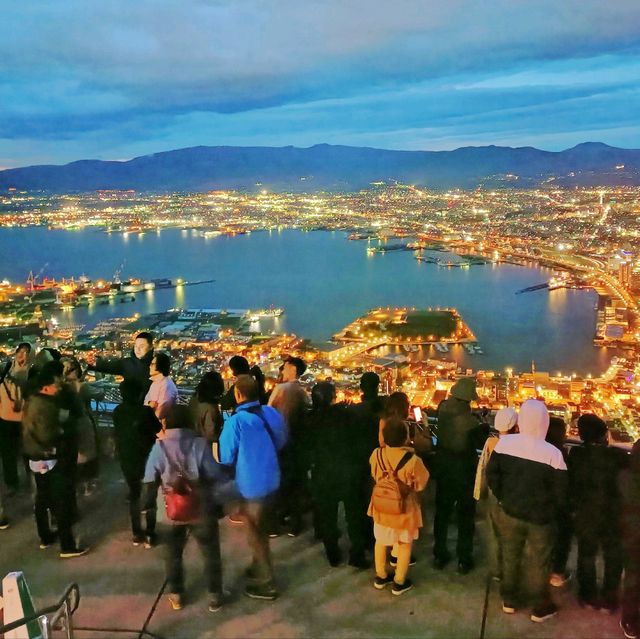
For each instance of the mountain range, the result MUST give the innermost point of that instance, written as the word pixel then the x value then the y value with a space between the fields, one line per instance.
pixel 336 168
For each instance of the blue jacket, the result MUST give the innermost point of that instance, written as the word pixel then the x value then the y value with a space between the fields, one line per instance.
pixel 245 444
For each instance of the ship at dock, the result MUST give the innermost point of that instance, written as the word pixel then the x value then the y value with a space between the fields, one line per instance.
pixel 68 293
pixel 265 313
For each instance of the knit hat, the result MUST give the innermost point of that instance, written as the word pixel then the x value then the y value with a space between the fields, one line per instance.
pixel 465 389
pixel 505 420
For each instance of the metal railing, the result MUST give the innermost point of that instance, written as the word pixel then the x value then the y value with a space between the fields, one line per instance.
pixel 61 619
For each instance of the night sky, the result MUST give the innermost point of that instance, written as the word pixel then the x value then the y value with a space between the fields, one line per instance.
pixel 114 79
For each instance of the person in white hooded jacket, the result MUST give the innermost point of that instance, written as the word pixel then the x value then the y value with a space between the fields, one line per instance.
pixel 528 477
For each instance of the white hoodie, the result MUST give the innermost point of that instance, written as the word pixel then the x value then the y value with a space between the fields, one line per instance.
pixel 527 474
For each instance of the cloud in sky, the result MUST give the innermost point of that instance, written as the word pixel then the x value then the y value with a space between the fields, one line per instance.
pixel 117 78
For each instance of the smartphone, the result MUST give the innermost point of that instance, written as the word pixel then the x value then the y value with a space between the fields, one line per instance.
pixel 417 414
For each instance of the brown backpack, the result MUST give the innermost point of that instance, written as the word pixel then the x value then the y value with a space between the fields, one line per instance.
pixel 389 496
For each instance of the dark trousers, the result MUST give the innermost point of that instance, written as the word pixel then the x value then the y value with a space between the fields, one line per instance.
pixel 9 450
pixel 562 544
pixel 135 490
pixel 54 492
pixel 293 498
pixel 526 548
pixel 631 590
pixel 328 496
pixel 608 540
pixel 207 534
pixel 253 515
pixel 454 494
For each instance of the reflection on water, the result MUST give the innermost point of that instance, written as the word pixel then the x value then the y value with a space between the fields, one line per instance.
pixel 323 282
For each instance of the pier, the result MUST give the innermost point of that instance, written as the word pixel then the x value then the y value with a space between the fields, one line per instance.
pixel 536 287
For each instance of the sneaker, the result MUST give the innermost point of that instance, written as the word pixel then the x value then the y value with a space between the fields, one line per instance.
pixel 630 631
pixel 273 534
pixel 294 531
pixel 236 520
pixel 4 523
pixel 48 541
pixel 216 601
pixel 261 591
pixel 138 540
pixel 465 567
pixel 542 614
pixel 78 551
pixel 175 600
pixel 380 583
pixel 400 589
pixel 393 561
pixel 559 579
pixel 508 608
pixel 151 541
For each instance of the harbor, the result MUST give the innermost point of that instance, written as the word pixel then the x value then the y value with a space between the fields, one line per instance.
pixel 68 293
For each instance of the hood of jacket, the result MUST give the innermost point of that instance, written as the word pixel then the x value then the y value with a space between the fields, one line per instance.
pixel 533 419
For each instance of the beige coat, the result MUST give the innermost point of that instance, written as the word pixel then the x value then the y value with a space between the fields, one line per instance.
pixel 11 402
pixel 480 488
pixel 415 474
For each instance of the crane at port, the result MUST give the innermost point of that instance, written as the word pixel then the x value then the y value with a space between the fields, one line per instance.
pixel 116 273
pixel 31 280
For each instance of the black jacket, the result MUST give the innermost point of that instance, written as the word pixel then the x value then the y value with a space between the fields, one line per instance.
pixel 366 424
pixel 135 429
pixel 44 434
pixel 331 444
pixel 459 430
pixel 129 367
pixel 528 477
pixel 631 500
pixel 594 493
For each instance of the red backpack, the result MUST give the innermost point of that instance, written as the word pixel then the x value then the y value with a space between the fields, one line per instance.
pixel 181 498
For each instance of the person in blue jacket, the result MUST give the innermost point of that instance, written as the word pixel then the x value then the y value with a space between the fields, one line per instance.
pixel 250 442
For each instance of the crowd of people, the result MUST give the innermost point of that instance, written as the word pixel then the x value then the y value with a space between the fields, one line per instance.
pixel 277 462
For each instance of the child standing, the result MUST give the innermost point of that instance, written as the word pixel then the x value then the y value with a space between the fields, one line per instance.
pixel 396 527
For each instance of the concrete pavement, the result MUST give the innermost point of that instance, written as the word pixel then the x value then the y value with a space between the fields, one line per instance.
pixel 120 585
